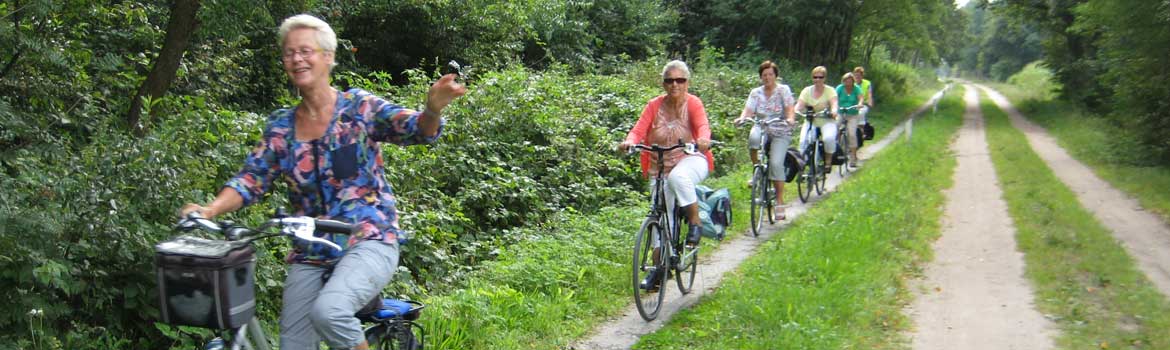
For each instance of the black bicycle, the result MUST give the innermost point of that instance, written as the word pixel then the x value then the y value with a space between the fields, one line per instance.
pixel 659 249
pixel 209 283
pixel 763 193
pixel 813 175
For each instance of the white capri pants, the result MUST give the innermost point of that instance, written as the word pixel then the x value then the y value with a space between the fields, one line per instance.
pixel 681 182
pixel 864 111
pixel 828 134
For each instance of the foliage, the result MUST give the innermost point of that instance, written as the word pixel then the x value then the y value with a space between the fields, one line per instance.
pixel 1001 45
pixel 1035 80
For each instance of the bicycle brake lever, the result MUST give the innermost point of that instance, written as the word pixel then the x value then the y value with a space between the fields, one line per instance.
pixel 303 228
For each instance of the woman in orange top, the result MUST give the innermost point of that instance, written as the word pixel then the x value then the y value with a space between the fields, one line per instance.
pixel 665 120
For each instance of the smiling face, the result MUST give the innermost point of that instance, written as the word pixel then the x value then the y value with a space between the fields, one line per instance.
pixel 306 64
pixel 675 83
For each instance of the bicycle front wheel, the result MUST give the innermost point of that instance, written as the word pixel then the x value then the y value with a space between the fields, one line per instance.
pixel 804 184
pixel 819 180
pixel 843 168
pixel 646 262
pixel 685 262
pixel 759 204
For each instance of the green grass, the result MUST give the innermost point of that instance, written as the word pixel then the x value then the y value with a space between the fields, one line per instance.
pixel 835 278
pixel 1083 277
pixel 1099 144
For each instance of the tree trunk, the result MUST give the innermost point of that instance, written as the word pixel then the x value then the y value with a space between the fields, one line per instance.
pixel 179 29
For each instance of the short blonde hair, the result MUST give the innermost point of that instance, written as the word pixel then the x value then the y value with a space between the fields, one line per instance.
pixel 679 65
pixel 820 69
pixel 859 69
pixel 326 38
pixel 848 76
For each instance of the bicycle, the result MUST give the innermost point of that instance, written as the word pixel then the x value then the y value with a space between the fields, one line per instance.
pixel 183 267
pixel 763 193
pixel 843 137
pixel 683 259
pixel 813 175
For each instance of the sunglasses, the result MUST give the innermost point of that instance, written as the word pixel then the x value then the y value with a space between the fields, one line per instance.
pixel 668 81
pixel 818 77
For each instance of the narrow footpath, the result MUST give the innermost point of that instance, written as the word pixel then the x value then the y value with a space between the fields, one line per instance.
pixel 1144 235
pixel 974 294
pixel 622 332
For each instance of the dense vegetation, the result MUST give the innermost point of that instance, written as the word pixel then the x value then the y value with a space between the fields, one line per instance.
pixel 1108 57
pixel 91 180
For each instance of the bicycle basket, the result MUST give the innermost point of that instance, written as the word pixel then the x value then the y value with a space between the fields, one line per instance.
pixel 206 283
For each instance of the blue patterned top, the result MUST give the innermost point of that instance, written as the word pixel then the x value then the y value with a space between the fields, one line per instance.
pixel 339 176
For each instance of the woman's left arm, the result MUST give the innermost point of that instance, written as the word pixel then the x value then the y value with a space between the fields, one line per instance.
pixel 699 123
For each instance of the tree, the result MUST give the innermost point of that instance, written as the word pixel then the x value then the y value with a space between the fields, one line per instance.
pixel 182 24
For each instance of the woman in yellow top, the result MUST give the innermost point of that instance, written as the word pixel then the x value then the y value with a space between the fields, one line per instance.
pixel 866 92
pixel 819 97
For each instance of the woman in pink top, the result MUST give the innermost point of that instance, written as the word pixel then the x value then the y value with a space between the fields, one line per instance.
pixel 665 120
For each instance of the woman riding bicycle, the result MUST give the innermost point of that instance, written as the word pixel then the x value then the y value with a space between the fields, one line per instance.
pixel 821 99
pixel 666 119
pixel 771 100
pixel 850 95
pixel 328 150
pixel 866 92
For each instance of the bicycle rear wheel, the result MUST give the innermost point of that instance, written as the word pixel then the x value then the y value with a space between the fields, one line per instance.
pixel 396 335
pixel 759 204
pixel 649 302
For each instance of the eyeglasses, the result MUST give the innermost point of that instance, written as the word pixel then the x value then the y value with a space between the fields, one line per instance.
pixel 668 81
pixel 818 77
pixel 304 52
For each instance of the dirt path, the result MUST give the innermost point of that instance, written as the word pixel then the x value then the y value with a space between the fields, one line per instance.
pixel 974 295
pixel 622 332
pixel 1145 236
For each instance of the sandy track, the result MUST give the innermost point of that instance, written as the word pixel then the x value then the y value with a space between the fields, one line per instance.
pixel 1145 236
pixel 974 295
pixel 624 331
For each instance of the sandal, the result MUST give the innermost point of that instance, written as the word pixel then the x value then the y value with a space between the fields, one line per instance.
pixel 778 213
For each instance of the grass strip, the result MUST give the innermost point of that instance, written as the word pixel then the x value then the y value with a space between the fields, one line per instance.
pixel 835 278
pixel 1084 279
pixel 1100 144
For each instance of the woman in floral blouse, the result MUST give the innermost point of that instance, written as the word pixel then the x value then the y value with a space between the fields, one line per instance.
pixel 767 101
pixel 328 150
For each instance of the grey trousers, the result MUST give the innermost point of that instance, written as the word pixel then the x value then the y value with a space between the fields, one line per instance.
pixel 776 152
pixel 314 310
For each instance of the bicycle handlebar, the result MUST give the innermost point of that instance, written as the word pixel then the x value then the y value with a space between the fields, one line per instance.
pixel 688 147
pixel 300 227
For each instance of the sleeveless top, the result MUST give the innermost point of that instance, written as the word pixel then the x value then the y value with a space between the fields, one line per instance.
pixel 666 131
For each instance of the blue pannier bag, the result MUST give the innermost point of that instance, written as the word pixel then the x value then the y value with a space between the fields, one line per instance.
pixel 714 211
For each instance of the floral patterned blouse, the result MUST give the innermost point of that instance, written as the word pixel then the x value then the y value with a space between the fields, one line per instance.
pixel 339 176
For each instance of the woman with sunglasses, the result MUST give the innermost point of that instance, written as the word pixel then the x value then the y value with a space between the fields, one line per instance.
pixel 770 100
pixel 328 150
pixel 819 98
pixel 676 115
